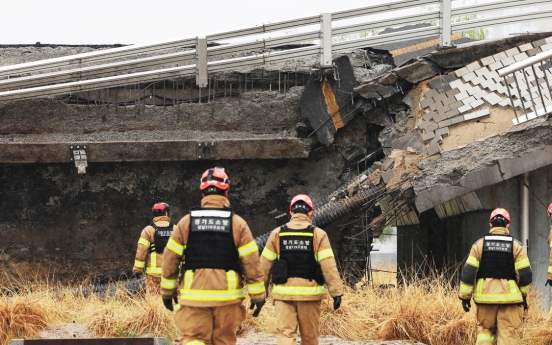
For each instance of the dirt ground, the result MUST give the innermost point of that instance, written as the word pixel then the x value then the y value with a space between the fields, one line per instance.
pixel 79 330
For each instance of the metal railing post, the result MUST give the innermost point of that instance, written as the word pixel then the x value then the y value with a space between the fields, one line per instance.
pixel 326 40
pixel 445 23
pixel 201 61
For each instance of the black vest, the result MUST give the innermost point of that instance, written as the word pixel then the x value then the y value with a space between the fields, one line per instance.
pixel 297 248
pixel 160 238
pixel 211 241
pixel 497 260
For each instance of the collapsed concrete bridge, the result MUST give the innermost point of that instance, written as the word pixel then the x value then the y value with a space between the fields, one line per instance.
pixel 353 137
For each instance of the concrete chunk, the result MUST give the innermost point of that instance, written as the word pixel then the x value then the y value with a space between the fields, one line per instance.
pixel 433 149
pixel 462 71
pixel 525 47
pixel 443 132
pixel 424 124
pixel 428 136
pixel 539 43
pixel 428 116
pixel 440 117
pixel 418 71
pixel 426 102
pixel 388 164
pixel 500 56
pixel 456 83
pixel 387 176
pixel 534 51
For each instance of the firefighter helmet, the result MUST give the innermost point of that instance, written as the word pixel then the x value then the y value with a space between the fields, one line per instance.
pixel 301 197
pixel 550 210
pixel 215 177
pixel 160 208
pixel 500 212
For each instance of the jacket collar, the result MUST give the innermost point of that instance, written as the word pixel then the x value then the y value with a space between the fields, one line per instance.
pixel 300 217
pixel 161 219
pixel 497 230
pixel 215 201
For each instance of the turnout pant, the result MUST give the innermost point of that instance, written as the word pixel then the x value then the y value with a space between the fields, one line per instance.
pixel 152 284
pixel 500 320
pixel 290 314
pixel 209 325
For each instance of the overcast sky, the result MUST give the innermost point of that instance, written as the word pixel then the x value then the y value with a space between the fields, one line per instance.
pixel 140 21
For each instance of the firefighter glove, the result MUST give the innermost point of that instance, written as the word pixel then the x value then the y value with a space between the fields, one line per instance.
pixel 466 305
pixel 524 304
pixel 337 302
pixel 168 303
pixel 548 282
pixel 257 306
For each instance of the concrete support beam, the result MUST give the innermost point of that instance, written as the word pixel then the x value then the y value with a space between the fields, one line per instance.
pixel 257 148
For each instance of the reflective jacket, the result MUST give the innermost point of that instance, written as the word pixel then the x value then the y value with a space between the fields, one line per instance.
pixel 549 275
pixel 493 290
pixel 205 287
pixel 301 289
pixel 151 262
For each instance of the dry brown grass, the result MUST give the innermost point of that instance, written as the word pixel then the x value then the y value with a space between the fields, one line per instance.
pixel 424 310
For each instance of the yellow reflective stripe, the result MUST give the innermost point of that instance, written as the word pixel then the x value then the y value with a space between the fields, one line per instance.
pixel 524 289
pixel 550 244
pixel 153 270
pixel 153 260
pixel 299 290
pixel 175 247
pixel 550 310
pixel 249 248
pixel 144 242
pixel 466 289
pixel 310 234
pixel 195 342
pixel 139 264
pixel 513 296
pixel 522 264
pixel 324 254
pixel 211 295
pixel 549 269
pixel 257 288
pixel 269 254
pixel 168 284
pixel 472 260
pixel 485 337
pixel 232 279
pixel 188 279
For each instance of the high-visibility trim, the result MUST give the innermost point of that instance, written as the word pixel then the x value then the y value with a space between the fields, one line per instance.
pixel 551 310
pixel 255 289
pixel 139 264
pixel 168 284
pixel 513 296
pixel 144 242
pixel 152 267
pixel 324 254
pixel 310 234
pixel 188 279
pixel 195 342
pixel 472 260
pixel 522 264
pixel 232 279
pixel 299 290
pixel 175 247
pixel 466 289
pixel 269 254
pixel 524 289
pixel 550 244
pixel 549 269
pixel 485 337
pixel 211 295
pixel 153 270
pixel 210 213
pixel 247 249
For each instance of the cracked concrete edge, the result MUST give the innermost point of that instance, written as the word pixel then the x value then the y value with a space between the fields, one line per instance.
pixel 504 169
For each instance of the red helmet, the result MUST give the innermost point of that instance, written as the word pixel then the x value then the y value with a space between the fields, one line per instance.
pixel 215 177
pixel 500 212
pixel 301 197
pixel 160 208
pixel 550 210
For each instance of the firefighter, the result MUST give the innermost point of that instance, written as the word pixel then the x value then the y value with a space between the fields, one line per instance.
pixel 152 242
pixel 498 270
pixel 299 259
pixel 217 247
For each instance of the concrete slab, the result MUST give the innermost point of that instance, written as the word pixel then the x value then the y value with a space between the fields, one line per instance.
pixel 437 195
pixel 534 51
pixel 462 71
pixel 388 164
pixel 431 93
pixel 427 136
pixel 500 56
pixel 548 39
pixel 525 47
pixel 443 88
pixel 521 56
pixel 447 79
pixel 496 65
pixel 435 83
pixel 461 96
pixel 448 101
pixel 433 149
pixel 426 102
pixel 473 66
pixel 456 120
pixel 443 132
pixel 437 139
pixel 481 178
pixel 452 113
pixel 464 108
pixel 467 77
pixel 468 100
pixel 440 117
pixel 387 176
pixel 546 47
pixel 428 116
pixel 472 91
pixel 456 105
pixel 539 43
pixel 508 61
pixel 480 94
pixel 452 92
pixel 445 123
pixel 480 72
pixel 424 124
pixel 456 83
pixel 512 52
pixel 487 60
pixel 528 161
pixel 476 103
